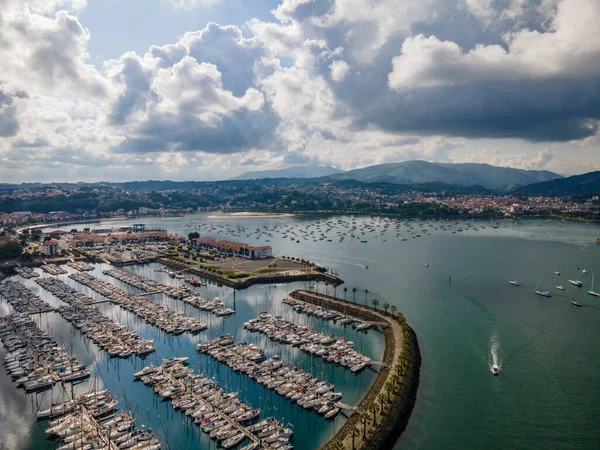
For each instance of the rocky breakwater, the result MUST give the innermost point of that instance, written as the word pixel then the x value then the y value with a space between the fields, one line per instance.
pixel 384 411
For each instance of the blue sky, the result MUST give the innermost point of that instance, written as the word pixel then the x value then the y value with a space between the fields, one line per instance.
pixel 119 26
pixel 118 90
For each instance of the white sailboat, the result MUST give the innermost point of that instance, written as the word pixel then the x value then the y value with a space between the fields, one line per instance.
pixel 592 291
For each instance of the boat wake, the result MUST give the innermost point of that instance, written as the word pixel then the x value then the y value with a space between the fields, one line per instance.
pixel 495 363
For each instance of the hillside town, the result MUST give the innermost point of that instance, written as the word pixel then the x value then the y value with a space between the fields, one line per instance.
pixel 72 203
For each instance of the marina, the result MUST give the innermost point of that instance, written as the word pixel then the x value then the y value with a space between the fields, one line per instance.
pixel 331 348
pixel 112 337
pixel 156 314
pixel 216 412
pixel 34 359
pixel 290 382
pixel 475 305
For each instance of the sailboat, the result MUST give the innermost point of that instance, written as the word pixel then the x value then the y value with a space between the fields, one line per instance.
pixel 573 302
pixel 542 293
pixel 592 291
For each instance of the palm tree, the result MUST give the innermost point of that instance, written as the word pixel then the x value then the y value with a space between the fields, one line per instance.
pixel 389 387
pixel 366 293
pixel 381 399
pixel 364 418
pixel 345 292
pixel 401 318
pixel 373 410
pixel 393 309
pixel 354 432
pixel 386 306
pixel 337 445
pixel 326 286
pixel 375 303
pixel 354 295
pixel 335 290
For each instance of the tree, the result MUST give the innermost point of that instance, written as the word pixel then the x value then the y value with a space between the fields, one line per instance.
pixel 193 235
pixel 373 410
pixel 86 230
pixel 345 292
pixel 401 318
pixel 335 290
pixel 386 306
pixel 73 231
pixel 37 232
pixel 381 399
pixel 10 250
pixel 389 387
pixel 25 232
pixel 337 445
pixel 393 309
pixel 354 432
pixel 366 293
pixel 326 286
pixel 364 418
pixel 354 295
pixel 47 238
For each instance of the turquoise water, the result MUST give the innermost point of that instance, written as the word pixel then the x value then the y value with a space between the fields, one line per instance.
pixel 545 396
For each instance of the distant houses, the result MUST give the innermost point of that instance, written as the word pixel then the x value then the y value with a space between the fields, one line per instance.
pixel 229 248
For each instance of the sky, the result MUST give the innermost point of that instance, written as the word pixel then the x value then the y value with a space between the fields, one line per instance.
pixel 119 90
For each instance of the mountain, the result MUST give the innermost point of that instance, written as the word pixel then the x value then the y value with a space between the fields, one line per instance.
pixel 586 184
pixel 290 172
pixel 416 172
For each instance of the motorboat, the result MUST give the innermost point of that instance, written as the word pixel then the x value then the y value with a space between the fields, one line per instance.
pixel 557 273
pixel 543 293
pixel 515 283
pixel 575 303
pixel 495 369
pixel 560 287
pixel 576 283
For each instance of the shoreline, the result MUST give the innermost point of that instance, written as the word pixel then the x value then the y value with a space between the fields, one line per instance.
pixel 398 376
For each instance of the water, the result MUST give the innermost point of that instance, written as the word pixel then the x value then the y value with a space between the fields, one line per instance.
pixel 466 316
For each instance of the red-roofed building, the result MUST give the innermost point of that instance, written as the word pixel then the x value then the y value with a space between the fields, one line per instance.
pixel 229 248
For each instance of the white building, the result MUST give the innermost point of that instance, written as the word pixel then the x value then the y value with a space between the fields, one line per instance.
pixel 50 248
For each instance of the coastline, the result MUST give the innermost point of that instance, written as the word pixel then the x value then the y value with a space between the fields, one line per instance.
pixel 391 397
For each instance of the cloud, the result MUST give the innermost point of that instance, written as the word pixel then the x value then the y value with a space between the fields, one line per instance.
pixel 340 82
pixel 339 70
pixel 46 50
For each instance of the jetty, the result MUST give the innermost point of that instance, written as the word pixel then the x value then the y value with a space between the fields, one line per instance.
pixel 396 382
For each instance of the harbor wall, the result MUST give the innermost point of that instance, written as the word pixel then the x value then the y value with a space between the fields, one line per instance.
pixel 247 282
pixel 397 412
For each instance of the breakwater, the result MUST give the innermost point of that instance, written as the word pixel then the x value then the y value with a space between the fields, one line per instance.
pixel 384 411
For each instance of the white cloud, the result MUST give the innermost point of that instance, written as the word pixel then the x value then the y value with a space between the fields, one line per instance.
pixel 569 48
pixel 339 70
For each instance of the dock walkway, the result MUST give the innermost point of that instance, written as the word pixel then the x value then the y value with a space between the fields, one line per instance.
pixel 221 414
